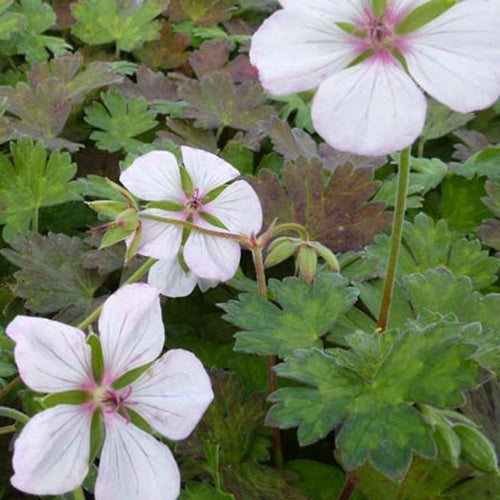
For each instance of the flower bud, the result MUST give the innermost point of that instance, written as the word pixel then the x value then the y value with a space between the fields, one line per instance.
pixel 280 250
pixel 109 208
pixel 307 263
pixel 476 448
pixel 327 255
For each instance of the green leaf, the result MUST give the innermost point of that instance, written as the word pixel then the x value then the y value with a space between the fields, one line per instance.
pixel 10 22
pixel 427 245
pixel 202 491
pixel 38 17
pixel 424 365
pixel 338 215
pixel 107 21
pixel 51 276
pixel 424 175
pixel 202 12
pixel 484 162
pixel 306 313
pixel 422 15
pixel 32 180
pixel 461 204
pixel 120 121
pixel 441 120
pixel 489 232
pixel 441 292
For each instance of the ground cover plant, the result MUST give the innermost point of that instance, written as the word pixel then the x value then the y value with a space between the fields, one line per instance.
pixel 249 249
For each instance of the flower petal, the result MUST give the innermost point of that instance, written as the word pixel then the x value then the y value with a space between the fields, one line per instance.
pixel 373 108
pixel 134 465
pixel 204 284
pixel 455 58
pixel 211 257
pixel 131 329
pixel 168 276
pixel 160 240
pixel 399 9
pixel 206 170
pixel 154 176
pixel 238 207
pixel 51 356
pixel 297 48
pixel 51 454
pixel 173 394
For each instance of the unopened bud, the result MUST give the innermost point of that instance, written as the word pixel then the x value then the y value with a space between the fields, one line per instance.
pixel 280 250
pixel 307 263
pixel 107 207
pixel 327 255
pixel 476 448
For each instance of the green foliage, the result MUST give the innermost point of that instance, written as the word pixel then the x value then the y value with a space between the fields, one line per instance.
pixel 113 21
pixel 120 120
pixel 202 12
pixel 489 232
pixel 7 366
pixel 338 215
pixel 10 22
pixel 427 245
pixel 372 390
pixel 425 175
pixel 216 101
pixel 32 180
pixel 307 313
pixel 38 17
pixel 51 276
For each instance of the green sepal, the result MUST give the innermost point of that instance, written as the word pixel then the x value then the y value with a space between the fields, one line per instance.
pixel 97 357
pixel 379 7
pixel 128 219
pixel 186 181
pixel 138 421
pixel 131 376
pixel 327 255
pixel 212 219
pixel 113 236
pixel 423 15
pixel 107 207
pixel 170 206
pixel 362 57
pixel 211 195
pixel 122 192
pixel 477 450
pixel 96 436
pixel 65 398
pixel 347 27
pixel 307 263
pixel 182 263
pixel 134 245
pixel 280 250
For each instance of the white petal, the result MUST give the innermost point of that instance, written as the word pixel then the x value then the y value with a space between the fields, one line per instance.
pixel 135 466
pixel 211 257
pixel 238 208
pixel 339 10
pixel 455 58
pixel 204 284
pixel 206 170
pixel 154 176
pixel 173 394
pixel 160 240
pixel 50 356
pixel 168 276
pixel 131 329
pixel 297 48
pixel 399 9
pixel 51 454
pixel 373 108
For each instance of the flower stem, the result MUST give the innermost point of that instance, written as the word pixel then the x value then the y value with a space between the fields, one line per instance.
pixel 8 429
pixel 34 220
pixel 13 383
pixel 13 414
pixel 243 240
pixel 397 232
pixel 135 277
pixel 258 261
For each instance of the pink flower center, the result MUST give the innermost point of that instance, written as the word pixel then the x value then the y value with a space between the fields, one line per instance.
pixel 195 203
pixel 112 400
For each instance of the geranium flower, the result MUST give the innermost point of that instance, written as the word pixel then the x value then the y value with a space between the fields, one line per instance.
pixel 197 194
pixel 52 453
pixel 367 101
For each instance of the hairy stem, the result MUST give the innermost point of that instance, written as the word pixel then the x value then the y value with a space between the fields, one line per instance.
pixel 34 220
pixel 8 429
pixel 11 385
pixel 397 232
pixel 258 261
pixel 78 494
pixel 13 414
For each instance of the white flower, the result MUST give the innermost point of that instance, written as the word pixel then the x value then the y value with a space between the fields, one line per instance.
pixel 375 107
pixel 52 453
pixel 207 202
